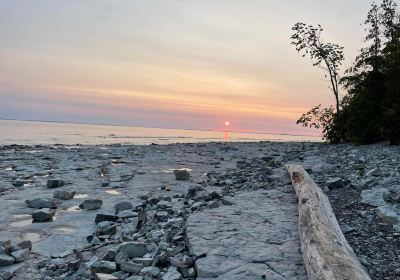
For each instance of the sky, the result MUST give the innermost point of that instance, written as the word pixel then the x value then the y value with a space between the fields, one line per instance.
pixel 168 63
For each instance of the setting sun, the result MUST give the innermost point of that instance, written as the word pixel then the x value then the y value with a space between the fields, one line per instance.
pixel 227 123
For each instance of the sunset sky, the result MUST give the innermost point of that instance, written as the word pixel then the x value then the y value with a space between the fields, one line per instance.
pixel 167 63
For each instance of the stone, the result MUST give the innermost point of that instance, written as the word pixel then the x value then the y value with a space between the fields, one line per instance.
pixel 150 271
pixel 64 195
pixel 26 244
pixel 103 267
pixel 133 249
pixel 91 204
pixel 55 183
pixel 375 197
pixel 172 274
pixel 100 217
pixel 213 204
pixel 20 255
pixel 181 174
pixel 131 267
pixel 107 228
pixel 39 203
pixel 127 214
pixel 164 205
pixel 43 215
pixel 334 183
pixel 105 276
pixel 123 205
pixel 191 192
pixel 6 260
pixel 144 261
pixel 188 272
pixel 135 277
pixel 388 214
pixel 162 216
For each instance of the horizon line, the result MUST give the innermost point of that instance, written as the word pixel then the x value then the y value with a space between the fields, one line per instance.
pixel 170 128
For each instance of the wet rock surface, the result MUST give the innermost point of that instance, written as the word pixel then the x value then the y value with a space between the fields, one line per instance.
pixel 188 211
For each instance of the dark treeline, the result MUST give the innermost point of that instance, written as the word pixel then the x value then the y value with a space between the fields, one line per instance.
pixel 370 111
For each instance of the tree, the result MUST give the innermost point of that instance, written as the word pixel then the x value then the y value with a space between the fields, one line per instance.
pixel 328 56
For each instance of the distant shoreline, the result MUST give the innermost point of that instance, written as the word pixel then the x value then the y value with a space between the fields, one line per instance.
pixel 169 128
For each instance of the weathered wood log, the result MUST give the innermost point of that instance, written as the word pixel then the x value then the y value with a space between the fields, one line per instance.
pixel 326 253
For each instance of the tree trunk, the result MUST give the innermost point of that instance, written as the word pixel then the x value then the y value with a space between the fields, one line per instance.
pixel 326 253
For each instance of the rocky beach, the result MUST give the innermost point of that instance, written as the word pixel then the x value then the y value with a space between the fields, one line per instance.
pixel 188 211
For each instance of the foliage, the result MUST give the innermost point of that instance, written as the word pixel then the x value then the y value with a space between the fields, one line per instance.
pixel 327 56
pixel 370 112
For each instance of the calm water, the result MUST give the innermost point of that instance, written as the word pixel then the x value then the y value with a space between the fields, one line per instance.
pixel 30 133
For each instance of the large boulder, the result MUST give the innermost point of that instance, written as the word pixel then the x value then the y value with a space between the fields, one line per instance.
pixel 51 184
pixel 375 197
pixel 388 214
pixel 43 215
pixel 6 260
pixel 20 255
pixel 39 203
pixel 181 174
pixel 91 204
pixel 123 205
pixel 64 195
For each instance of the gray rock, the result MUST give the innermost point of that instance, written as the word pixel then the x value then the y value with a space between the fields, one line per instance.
pixel 107 228
pixel 64 195
pixel 6 260
pixel 334 183
pixel 43 215
pixel 172 274
pixel 26 244
pixel 181 174
pixel 55 183
pixel 135 277
pixel 375 197
pixel 39 203
pixel 162 216
pixel 133 249
pixel 91 204
pixel 100 217
pixel 388 214
pixel 105 276
pixel 127 214
pixel 150 271
pixel 20 255
pixel 164 205
pixel 103 267
pixel 123 205
pixel 131 267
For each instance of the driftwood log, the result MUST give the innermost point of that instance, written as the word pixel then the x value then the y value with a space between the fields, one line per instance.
pixel 326 253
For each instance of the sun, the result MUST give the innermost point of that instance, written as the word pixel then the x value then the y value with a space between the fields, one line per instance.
pixel 227 123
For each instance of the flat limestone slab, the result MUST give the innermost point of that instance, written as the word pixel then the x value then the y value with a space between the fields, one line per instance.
pixel 256 236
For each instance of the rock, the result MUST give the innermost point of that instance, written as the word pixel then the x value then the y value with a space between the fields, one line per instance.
pixel 164 205
pixel 213 204
pixel 105 276
pixel 107 228
pixel 100 217
pixel 133 249
pixel 135 277
pixel 26 244
pixel 388 214
pixel 43 215
pixel 150 271
pixel 103 267
pixel 131 267
pixel 127 214
pixel 191 192
pixel 20 255
pixel 91 204
pixel 144 261
pixel 6 275
pixel 172 274
pixel 375 197
pixel 39 203
pixel 181 174
pixel 123 205
pixel 64 195
pixel 347 228
pixel 55 183
pixel 188 272
pixel 162 216
pixel 334 183
pixel 6 260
